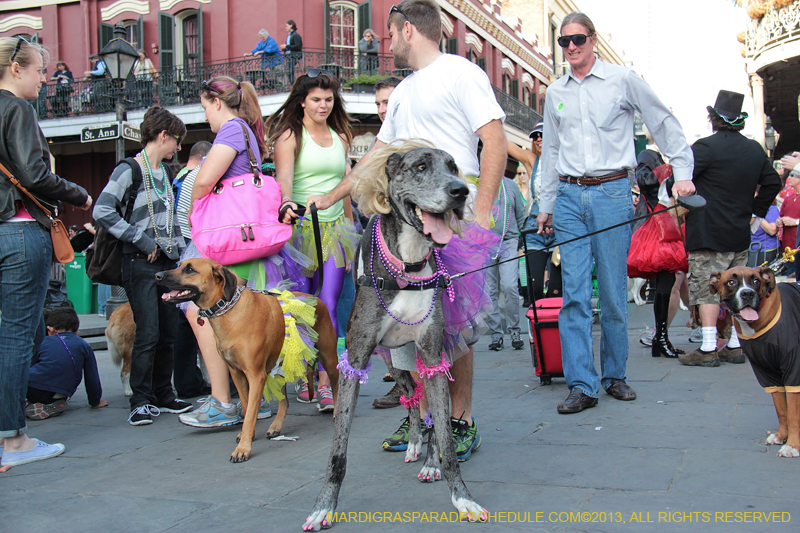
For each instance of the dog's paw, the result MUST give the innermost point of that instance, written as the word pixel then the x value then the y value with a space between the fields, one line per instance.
pixel 788 451
pixel 469 510
pixel 773 438
pixel 318 520
pixel 240 455
pixel 429 474
pixel 272 433
pixel 413 451
pixel 126 385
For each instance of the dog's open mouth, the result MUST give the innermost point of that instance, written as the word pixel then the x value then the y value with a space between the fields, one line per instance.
pixel 433 224
pixel 179 296
pixel 748 314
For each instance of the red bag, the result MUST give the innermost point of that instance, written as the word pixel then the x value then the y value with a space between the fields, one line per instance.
pixel 656 246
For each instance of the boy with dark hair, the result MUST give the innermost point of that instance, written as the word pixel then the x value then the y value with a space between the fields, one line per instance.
pixel 56 368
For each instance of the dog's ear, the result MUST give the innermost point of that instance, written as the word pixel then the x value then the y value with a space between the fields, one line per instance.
pixel 393 165
pixel 713 281
pixel 768 276
pixel 230 283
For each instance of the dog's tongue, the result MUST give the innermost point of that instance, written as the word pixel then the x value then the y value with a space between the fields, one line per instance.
pixel 435 226
pixel 749 314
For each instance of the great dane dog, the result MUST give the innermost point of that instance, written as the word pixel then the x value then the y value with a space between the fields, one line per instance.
pixel 399 302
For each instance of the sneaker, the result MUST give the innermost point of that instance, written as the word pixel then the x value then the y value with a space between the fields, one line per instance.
pixel 696 336
pixel 39 452
pixel 264 410
pixel 175 406
pixel 497 342
pixel 398 442
pixel 731 355
pixel 303 393
pixel 516 342
pixel 211 414
pixel 325 399
pixel 467 438
pixel 40 411
pixel 647 336
pixel 142 415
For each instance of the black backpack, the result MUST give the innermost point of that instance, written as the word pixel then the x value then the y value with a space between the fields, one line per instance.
pixel 104 258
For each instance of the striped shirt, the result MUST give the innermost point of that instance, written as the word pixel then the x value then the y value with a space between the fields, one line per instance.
pixel 138 235
pixel 185 202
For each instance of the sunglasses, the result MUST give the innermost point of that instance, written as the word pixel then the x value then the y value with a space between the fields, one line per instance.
pixel 314 72
pixel 396 9
pixel 18 47
pixel 579 40
pixel 536 136
pixel 204 86
pixel 177 137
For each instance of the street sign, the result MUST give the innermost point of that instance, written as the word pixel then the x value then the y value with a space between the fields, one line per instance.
pixel 100 132
pixel 131 132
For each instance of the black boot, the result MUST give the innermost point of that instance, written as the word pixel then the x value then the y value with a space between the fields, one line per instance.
pixel 661 345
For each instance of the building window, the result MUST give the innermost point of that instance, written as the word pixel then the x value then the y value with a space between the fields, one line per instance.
pixel 471 55
pixel 191 43
pixel 506 83
pixel 526 95
pixel 343 34
pixel 132 33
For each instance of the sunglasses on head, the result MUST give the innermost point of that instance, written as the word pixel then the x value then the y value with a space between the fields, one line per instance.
pixel 314 72
pixel 20 40
pixel 578 39
pixel 396 9
pixel 204 86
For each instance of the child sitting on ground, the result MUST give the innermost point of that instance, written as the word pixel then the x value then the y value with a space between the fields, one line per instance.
pixel 57 367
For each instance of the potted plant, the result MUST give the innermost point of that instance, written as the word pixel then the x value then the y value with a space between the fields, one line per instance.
pixel 363 83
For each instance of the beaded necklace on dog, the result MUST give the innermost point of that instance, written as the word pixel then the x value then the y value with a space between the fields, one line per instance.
pixel 407 279
pixel 165 196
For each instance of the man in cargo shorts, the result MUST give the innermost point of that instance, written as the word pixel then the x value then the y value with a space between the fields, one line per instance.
pixel 728 170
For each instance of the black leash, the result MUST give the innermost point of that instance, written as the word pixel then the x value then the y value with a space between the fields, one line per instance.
pixel 300 211
pixel 552 246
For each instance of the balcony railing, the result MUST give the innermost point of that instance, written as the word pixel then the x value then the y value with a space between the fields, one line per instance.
pixel 181 85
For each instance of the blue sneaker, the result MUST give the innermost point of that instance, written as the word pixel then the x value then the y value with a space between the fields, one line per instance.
pixel 41 451
pixel 264 411
pixel 211 414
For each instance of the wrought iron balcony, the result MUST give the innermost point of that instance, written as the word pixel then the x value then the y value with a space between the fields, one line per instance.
pixel 181 85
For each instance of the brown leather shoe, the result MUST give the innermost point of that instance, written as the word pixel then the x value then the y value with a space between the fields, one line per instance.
pixel 621 390
pixel 699 358
pixel 576 402
pixel 392 398
pixel 731 355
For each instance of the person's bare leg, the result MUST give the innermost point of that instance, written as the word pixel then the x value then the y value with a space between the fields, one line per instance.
pixel 461 387
pixel 709 314
pixel 324 380
pixel 215 365
pixel 20 443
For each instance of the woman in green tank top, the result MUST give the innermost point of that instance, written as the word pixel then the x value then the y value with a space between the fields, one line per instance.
pixel 311 133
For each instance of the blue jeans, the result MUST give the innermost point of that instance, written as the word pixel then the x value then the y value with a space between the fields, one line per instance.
pixel 579 210
pixel 103 294
pixel 25 258
pixel 156 324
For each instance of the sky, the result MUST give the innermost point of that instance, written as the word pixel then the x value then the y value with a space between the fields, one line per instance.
pixel 685 49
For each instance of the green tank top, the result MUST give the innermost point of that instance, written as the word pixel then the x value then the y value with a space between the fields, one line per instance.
pixel 317 171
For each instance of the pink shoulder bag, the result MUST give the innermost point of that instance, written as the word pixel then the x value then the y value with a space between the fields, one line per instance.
pixel 238 220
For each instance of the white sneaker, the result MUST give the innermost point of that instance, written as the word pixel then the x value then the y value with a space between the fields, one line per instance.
pixel 646 337
pixel 696 336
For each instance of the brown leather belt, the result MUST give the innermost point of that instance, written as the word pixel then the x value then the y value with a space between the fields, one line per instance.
pixel 589 180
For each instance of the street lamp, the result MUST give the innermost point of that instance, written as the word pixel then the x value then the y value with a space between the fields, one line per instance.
pixel 120 58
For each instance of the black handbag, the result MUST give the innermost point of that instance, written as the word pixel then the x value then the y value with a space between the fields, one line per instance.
pixel 104 258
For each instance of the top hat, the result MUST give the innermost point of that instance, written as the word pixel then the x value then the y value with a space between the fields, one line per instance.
pixel 728 106
pixel 537 128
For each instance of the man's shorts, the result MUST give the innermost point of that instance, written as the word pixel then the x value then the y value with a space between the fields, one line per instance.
pixel 703 263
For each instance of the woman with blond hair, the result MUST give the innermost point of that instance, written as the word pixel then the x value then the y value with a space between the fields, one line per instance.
pixel 25 247
pixel 311 132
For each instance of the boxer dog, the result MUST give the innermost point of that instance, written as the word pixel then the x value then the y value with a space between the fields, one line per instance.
pixel 767 320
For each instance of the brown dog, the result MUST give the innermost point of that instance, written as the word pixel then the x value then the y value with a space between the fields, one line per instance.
pixel 249 335
pixel 120 332
pixel 767 320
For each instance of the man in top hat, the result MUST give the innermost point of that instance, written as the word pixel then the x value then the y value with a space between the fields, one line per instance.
pixel 728 170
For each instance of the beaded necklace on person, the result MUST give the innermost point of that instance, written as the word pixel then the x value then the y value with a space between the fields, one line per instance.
pixel 165 195
pixel 496 213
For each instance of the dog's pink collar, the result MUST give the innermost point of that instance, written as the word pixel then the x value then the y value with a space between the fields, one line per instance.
pixel 400 265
